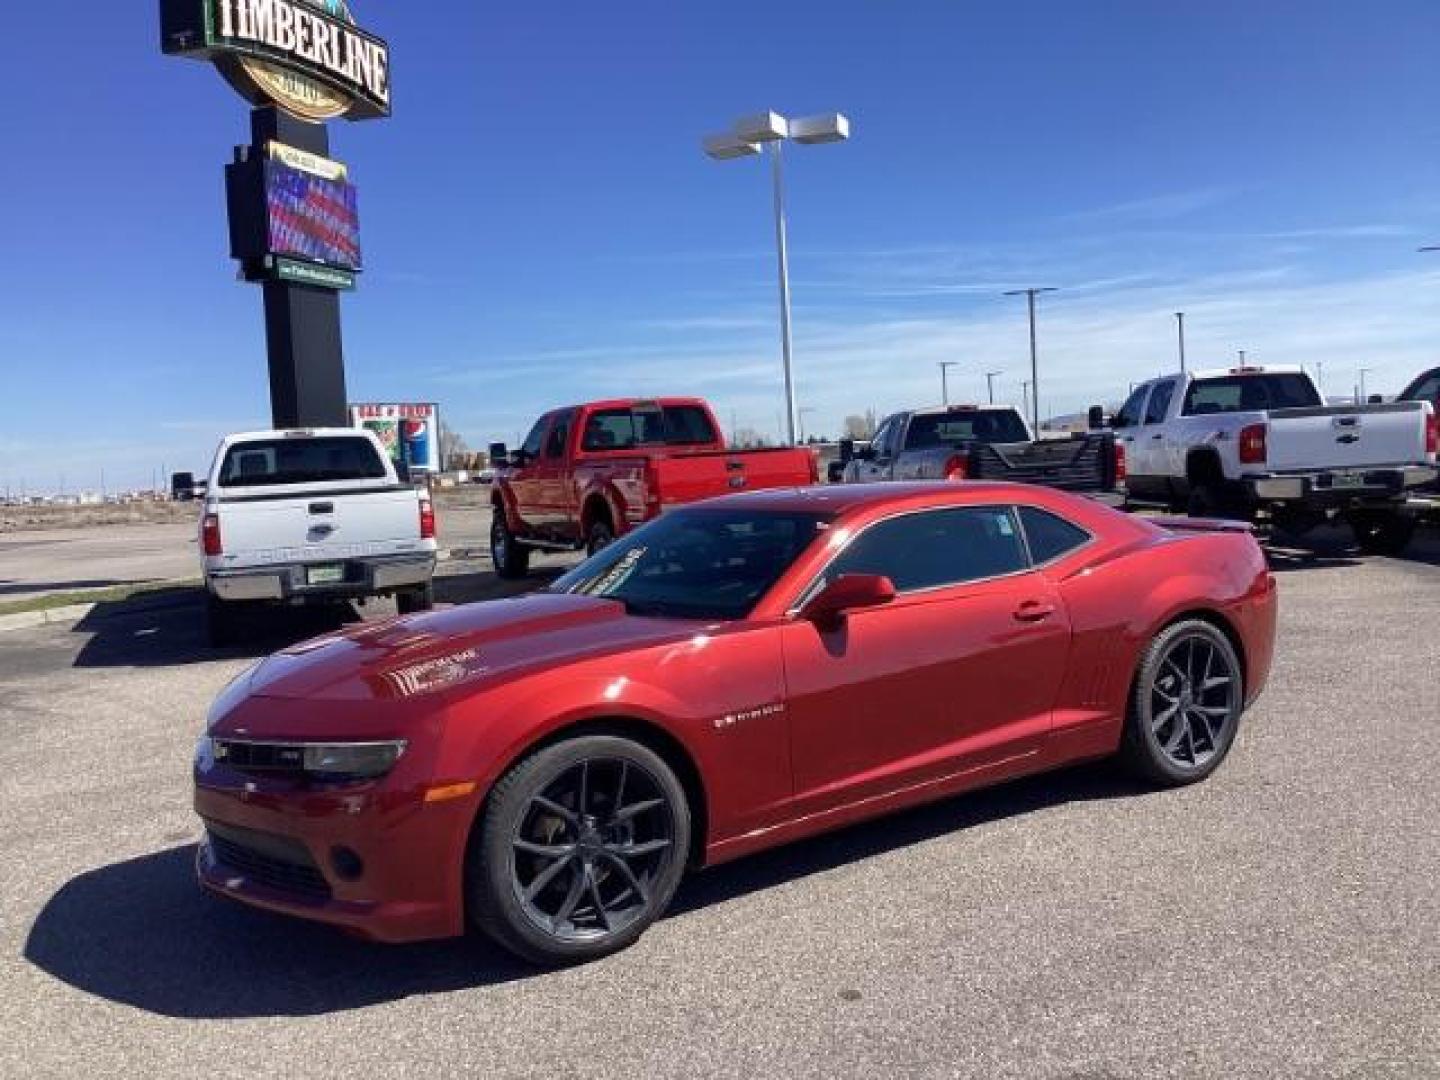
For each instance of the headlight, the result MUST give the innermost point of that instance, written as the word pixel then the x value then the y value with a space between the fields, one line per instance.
pixel 351 761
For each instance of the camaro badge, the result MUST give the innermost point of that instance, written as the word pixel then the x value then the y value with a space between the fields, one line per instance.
pixel 729 720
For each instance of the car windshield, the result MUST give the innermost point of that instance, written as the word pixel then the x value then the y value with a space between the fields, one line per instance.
pixel 1250 393
pixel 697 563
pixel 300 461
pixel 962 426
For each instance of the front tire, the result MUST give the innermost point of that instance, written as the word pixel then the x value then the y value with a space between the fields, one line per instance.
pixel 412 601
pixel 579 849
pixel 1185 705
pixel 1382 532
pixel 511 558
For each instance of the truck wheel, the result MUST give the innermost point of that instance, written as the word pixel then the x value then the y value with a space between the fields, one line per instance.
pixel 219 622
pixel 601 536
pixel 1382 532
pixel 414 600
pixel 1210 500
pixel 511 558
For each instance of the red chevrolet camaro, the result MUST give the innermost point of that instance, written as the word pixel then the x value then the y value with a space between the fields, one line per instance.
pixel 735 675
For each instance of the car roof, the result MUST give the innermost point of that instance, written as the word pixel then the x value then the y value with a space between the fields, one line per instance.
pixel 295 433
pixel 943 410
pixel 1248 369
pixel 843 500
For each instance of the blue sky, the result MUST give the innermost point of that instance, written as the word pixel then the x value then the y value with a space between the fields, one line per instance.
pixel 541 226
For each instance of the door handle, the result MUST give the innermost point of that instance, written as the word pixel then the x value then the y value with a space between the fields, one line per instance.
pixel 1034 611
pixel 1157 436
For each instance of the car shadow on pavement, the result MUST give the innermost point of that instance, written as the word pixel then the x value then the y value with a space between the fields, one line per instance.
pixel 1333 547
pixel 167 629
pixel 142 933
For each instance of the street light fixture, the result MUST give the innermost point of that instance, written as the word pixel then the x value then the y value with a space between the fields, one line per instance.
pixel 990 384
pixel 945 366
pixel 1030 295
pixel 749 135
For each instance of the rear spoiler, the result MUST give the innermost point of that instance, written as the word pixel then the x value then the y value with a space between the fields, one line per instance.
pixel 1203 525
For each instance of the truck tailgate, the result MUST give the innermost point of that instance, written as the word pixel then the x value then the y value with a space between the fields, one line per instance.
pixel 1079 463
pixel 320 526
pixel 1344 437
pixel 686 478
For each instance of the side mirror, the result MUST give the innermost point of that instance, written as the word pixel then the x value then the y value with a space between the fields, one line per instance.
pixel 402 470
pixel 1096 417
pixel 499 455
pixel 847 593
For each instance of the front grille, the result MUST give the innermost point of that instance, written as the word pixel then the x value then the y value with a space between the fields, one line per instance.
pixel 275 861
pixel 261 757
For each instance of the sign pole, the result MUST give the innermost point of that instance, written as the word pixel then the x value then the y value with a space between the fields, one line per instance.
pixel 302 322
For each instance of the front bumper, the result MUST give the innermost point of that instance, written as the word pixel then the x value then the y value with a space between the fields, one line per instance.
pixel 368 576
pixel 1338 487
pixel 378 862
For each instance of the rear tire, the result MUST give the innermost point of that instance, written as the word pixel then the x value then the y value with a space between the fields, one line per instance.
pixel 601 536
pixel 1185 705
pixel 578 850
pixel 1212 500
pixel 1382 532
pixel 511 558
pixel 413 601
pixel 220 622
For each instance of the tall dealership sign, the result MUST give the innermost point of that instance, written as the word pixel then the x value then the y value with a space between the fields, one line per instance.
pixel 294 215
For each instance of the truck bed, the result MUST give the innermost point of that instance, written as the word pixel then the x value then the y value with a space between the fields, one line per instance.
pixel 1083 463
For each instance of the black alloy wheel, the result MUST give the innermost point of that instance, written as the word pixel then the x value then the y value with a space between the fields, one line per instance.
pixel 1186 704
pixel 581 849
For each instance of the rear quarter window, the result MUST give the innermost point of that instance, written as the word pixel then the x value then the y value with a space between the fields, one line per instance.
pixel 1250 393
pixel 1050 536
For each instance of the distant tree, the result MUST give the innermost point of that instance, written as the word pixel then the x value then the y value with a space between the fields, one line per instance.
pixel 747 436
pixel 453 450
pixel 860 427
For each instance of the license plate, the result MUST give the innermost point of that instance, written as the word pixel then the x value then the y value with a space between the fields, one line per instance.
pixel 325 575
pixel 1347 480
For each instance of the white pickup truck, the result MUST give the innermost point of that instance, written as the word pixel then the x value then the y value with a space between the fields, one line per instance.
pixel 308 517
pixel 1244 441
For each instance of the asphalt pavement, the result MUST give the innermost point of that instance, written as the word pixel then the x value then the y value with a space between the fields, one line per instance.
pixel 1279 920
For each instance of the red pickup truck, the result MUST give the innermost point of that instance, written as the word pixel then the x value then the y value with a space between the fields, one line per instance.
pixel 589 473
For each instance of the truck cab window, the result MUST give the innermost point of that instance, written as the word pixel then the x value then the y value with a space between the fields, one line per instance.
pixel 559 436
pixel 1159 402
pixel 531 446
pixel 1130 413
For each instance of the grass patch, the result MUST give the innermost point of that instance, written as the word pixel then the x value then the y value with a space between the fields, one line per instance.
pixel 94 596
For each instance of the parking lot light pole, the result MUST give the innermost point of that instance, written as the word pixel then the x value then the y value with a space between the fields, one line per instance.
pixel 1025 394
pixel 1030 294
pixel 990 384
pixel 745 140
pixel 1180 323
pixel 1363 372
pixel 945 366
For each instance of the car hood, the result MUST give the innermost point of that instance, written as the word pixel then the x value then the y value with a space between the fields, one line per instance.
pixel 445 654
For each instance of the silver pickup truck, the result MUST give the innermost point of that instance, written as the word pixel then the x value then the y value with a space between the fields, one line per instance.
pixel 1253 442
pixel 979 442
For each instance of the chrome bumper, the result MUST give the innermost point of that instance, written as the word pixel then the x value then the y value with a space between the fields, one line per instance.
pixel 363 577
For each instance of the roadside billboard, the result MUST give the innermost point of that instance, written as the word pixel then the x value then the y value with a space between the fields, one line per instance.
pixel 409 432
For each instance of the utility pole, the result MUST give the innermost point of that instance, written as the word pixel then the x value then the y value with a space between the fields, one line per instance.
pixel 1025 392
pixel 945 366
pixel 990 384
pixel 1030 295
pixel 1180 323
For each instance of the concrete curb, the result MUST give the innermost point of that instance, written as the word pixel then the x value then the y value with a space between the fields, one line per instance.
pixel 24 620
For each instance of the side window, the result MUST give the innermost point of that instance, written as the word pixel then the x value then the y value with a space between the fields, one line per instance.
pixel 1428 389
pixel 609 429
pixel 559 436
pixel 936 548
pixel 1159 402
pixel 531 446
pixel 1130 412
pixel 881 442
pixel 1049 536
